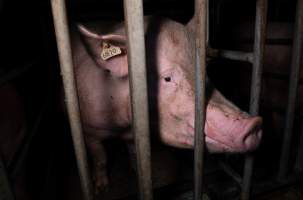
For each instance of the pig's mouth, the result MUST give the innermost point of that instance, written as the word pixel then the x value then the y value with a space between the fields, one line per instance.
pixel 217 146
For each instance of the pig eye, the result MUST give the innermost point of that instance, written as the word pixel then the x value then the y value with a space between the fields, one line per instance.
pixel 167 79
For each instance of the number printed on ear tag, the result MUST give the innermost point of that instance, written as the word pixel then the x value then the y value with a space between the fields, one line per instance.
pixel 109 50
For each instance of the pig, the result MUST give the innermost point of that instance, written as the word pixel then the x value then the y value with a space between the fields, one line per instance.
pixel 101 73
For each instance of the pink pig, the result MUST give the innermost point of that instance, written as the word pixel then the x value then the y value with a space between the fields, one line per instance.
pixel 101 69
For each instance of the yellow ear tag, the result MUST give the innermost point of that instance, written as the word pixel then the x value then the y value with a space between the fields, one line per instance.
pixel 109 50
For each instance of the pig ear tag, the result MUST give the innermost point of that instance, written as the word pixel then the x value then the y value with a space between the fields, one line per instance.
pixel 109 50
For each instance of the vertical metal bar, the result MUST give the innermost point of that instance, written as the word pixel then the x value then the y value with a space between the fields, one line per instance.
pixel 200 68
pixel 5 190
pixel 133 11
pixel 259 46
pixel 67 71
pixel 293 84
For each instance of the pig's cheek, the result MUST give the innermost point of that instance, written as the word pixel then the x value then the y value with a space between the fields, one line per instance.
pixel 173 133
pixel 176 139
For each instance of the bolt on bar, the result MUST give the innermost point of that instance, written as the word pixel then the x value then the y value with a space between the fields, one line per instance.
pixel 293 85
pixel 200 75
pixel 133 11
pixel 65 58
pixel 259 46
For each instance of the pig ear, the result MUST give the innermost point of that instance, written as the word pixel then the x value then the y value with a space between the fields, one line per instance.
pixel 108 51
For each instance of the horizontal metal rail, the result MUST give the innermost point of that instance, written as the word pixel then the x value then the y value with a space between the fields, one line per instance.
pixel 200 100
pixel 133 11
pixel 292 92
pixel 67 71
pixel 259 47
pixel 232 55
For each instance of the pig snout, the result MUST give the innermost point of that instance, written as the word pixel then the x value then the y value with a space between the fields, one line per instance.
pixel 228 129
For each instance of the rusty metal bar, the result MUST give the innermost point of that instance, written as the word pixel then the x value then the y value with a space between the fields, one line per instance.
pixel 293 85
pixel 133 11
pixel 5 188
pixel 200 100
pixel 232 55
pixel 259 46
pixel 67 71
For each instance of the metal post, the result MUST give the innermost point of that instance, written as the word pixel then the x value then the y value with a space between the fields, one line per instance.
pixel 133 11
pixel 259 46
pixel 293 84
pixel 200 75
pixel 67 71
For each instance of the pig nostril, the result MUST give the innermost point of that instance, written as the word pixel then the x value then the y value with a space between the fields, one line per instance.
pixel 253 133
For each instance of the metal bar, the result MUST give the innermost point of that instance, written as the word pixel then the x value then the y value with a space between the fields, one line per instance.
pixel 259 46
pixel 293 85
pixel 133 11
pixel 237 55
pixel 200 101
pixel 231 172
pixel 232 55
pixel 67 71
pixel 5 189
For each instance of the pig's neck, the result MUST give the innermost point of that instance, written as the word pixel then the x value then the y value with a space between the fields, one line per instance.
pixel 104 99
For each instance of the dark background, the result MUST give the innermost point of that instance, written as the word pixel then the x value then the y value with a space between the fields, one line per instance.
pixel 48 171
